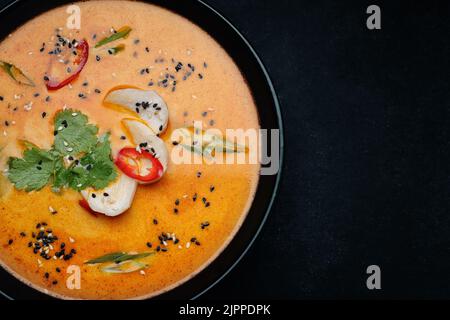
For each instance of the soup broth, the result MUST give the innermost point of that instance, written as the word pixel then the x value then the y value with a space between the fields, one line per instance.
pixel 186 218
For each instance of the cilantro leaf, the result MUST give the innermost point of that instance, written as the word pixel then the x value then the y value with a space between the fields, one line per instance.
pixel 73 134
pixel 32 172
pixel 74 137
pixel 95 169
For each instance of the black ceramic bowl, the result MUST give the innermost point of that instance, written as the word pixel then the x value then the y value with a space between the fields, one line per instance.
pixel 20 11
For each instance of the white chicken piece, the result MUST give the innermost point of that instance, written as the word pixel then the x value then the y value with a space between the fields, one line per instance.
pixel 147 104
pixel 114 199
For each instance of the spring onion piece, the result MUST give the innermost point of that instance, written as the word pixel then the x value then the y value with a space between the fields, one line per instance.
pixel 16 74
pixel 124 267
pixel 209 142
pixel 121 33
pixel 116 50
pixel 118 257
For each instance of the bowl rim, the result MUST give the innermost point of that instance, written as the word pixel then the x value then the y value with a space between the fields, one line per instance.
pixel 279 121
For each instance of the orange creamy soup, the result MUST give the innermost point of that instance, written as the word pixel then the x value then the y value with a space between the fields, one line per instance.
pixel 153 223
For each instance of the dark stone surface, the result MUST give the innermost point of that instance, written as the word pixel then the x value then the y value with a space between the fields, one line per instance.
pixel 366 177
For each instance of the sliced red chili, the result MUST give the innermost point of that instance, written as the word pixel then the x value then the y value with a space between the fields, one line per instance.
pixel 80 61
pixel 132 163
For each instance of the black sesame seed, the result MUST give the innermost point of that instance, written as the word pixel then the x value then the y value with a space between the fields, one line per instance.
pixel 10 241
pixel 55 282
pixel 212 188
pixel 44 114
pixel 97 58
pixel 177 202
pixel 23 234
pixel 105 194
pixel 97 91
pixel 94 195
pixel 123 138
pixel 58 270
pixel 175 210
pixel 149 244
pixel 155 221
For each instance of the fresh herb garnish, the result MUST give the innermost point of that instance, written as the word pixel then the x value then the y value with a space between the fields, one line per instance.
pixel 73 133
pixel 16 74
pixel 118 257
pixel 124 267
pixel 121 33
pixel 75 139
pixel 34 170
pixel 115 50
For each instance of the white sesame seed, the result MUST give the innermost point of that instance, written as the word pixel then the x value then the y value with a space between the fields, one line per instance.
pixel 28 106
pixel 188 245
pixel 72 240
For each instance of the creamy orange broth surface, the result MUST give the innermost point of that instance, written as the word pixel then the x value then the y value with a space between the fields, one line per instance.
pixel 218 96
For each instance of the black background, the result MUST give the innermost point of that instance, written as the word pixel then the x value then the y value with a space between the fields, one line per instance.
pixel 366 175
